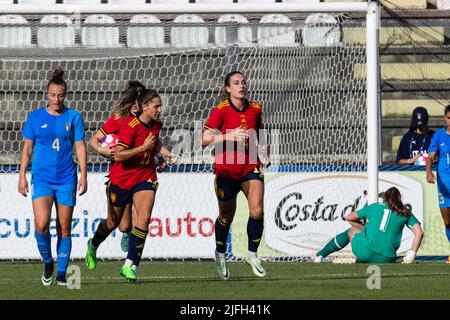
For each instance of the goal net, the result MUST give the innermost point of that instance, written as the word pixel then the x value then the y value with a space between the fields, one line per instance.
pixel 306 70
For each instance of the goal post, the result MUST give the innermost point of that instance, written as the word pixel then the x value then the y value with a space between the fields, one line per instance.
pixel 313 68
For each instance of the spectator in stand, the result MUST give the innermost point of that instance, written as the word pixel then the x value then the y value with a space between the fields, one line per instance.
pixel 414 145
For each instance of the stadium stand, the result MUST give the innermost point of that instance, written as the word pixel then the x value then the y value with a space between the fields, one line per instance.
pixel 414 48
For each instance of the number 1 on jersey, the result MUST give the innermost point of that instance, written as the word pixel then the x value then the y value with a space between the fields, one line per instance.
pixel 385 220
pixel 55 144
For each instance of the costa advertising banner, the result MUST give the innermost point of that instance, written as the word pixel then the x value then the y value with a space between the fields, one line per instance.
pixel 182 223
pixel 302 212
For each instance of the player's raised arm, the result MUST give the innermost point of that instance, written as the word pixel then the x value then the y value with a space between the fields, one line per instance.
pixel 27 152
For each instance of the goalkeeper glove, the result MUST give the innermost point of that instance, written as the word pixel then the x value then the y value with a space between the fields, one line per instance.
pixel 410 257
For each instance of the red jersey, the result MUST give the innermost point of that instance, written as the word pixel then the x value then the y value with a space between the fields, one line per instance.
pixel 113 125
pixel 142 166
pixel 235 160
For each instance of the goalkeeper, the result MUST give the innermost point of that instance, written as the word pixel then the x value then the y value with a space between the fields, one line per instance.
pixel 378 240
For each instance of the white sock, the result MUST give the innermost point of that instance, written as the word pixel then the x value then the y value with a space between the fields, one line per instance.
pixel 251 254
pixel 220 254
pixel 128 262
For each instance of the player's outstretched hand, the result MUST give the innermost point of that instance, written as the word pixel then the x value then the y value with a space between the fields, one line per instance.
pixel 410 257
pixel 23 186
pixel 82 186
pixel 430 177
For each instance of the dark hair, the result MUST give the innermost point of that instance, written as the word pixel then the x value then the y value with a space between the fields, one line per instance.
pixel 145 96
pixel 57 78
pixel 122 108
pixel 393 198
pixel 225 94
pixel 447 109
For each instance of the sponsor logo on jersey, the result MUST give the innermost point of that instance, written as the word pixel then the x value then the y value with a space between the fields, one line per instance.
pixel 113 197
pixel 44 126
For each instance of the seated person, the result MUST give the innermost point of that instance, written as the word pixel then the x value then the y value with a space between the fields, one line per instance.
pixel 414 145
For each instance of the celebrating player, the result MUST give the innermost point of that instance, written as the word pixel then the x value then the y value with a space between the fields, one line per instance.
pixel 232 128
pixel 379 239
pixel 440 145
pixel 50 133
pixel 125 108
pixel 134 179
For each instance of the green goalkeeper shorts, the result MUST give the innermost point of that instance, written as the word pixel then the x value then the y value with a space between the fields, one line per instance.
pixel 364 254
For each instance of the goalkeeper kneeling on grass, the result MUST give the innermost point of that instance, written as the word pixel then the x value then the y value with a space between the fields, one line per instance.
pixel 378 240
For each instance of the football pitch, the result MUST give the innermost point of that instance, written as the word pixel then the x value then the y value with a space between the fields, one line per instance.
pixel 198 280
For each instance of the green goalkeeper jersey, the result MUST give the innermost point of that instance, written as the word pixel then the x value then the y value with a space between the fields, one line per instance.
pixel 383 230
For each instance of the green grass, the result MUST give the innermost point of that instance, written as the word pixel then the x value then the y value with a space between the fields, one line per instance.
pixel 170 280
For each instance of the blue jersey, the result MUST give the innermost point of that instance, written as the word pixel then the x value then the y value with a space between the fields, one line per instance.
pixel 441 145
pixel 53 137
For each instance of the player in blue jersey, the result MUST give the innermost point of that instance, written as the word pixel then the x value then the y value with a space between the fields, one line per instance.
pixel 440 146
pixel 378 240
pixel 49 136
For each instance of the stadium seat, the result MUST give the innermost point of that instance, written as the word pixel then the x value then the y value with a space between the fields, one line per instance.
pixel 214 1
pixel 321 30
pixel 145 36
pixel 305 1
pixel 12 34
pixel 195 36
pixel 127 1
pixel 75 2
pixel 36 2
pixel 170 1
pixel 244 33
pixel 256 1
pixel 443 4
pixel 99 36
pixel 56 31
pixel 270 36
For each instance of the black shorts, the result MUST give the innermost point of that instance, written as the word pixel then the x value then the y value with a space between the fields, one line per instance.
pixel 226 189
pixel 118 197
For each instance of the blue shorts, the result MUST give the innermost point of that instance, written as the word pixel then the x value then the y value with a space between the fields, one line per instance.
pixel 226 189
pixel 65 194
pixel 120 197
pixel 443 182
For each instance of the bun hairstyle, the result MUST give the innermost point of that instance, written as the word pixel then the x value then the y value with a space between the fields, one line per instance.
pixel 58 78
pixel 128 97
